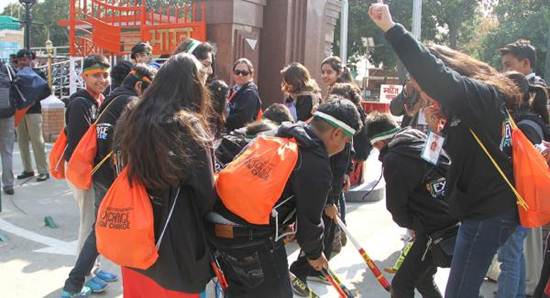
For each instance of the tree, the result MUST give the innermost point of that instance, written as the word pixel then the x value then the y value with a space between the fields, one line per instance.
pixel 450 22
pixel 529 19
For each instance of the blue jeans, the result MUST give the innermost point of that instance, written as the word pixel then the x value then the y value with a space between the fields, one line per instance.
pixel 476 244
pixel 511 281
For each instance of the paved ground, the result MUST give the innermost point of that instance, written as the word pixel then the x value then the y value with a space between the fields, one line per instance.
pixel 35 259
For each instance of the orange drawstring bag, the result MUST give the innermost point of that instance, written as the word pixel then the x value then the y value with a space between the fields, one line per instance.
pixel 81 163
pixel 125 224
pixel 57 160
pixel 531 177
pixel 266 164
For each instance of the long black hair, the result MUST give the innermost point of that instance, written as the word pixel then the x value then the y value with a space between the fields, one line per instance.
pixel 158 137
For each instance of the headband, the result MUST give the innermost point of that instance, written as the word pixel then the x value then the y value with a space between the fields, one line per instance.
pixel 388 134
pixel 95 69
pixel 192 46
pixel 143 78
pixel 348 130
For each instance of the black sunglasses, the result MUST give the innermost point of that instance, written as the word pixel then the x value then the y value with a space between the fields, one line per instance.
pixel 243 73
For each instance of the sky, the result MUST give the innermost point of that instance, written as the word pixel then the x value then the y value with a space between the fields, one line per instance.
pixel 4 3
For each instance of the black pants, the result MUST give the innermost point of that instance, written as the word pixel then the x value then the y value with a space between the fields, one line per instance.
pixel 545 273
pixel 86 259
pixel 254 268
pixel 301 268
pixel 415 273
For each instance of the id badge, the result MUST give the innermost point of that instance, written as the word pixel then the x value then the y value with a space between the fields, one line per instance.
pixel 432 148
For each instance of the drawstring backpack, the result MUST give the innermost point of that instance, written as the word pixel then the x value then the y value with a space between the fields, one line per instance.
pixel 125 224
pixel 531 176
pixel 251 185
pixel 80 168
pixel 57 164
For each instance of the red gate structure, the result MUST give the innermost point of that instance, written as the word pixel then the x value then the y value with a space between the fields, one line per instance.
pixel 113 27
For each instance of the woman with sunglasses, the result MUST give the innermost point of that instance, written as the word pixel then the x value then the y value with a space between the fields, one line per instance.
pixel 244 100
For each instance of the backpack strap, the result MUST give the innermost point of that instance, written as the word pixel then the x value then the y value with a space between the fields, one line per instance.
pixel 519 198
pixel 106 108
pixel 159 241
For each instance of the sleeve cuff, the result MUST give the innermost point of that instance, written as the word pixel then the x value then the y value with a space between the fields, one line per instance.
pixel 395 33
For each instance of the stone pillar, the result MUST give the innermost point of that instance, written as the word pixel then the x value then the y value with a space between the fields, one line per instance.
pixel 294 30
pixel 234 27
pixel 271 34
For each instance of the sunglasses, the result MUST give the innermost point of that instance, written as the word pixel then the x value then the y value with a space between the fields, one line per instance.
pixel 243 73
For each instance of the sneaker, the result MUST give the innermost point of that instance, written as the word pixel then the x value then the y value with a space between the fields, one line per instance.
pixel 25 175
pixel 96 284
pixel 86 291
pixel 106 276
pixel 9 191
pixel 299 287
pixel 319 278
pixel 42 177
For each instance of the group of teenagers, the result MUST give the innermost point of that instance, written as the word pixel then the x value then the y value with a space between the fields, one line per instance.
pixel 177 130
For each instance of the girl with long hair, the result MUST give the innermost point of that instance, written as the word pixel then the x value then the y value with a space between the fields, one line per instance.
pixel 166 144
pixel 473 98
pixel 302 93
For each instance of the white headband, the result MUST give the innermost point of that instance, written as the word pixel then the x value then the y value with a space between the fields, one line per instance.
pixel 384 135
pixel 194 44
pixel 348 129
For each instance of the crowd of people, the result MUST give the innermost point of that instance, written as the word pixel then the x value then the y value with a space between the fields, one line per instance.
pixel 197 145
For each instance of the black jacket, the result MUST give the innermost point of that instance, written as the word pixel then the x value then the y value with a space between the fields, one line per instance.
pixel 80 114
pixel 361 143
pixel 304 103
pixel 109 112
pixel 243 106
pixel 474 187
pixel 409 180
pixel 184 257
pixel 340 165
pixel 309 183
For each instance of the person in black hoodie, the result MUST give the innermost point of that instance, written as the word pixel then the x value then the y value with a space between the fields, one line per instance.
pixel 80 114
pixel 165 142
pixel 110 110
pixel 253 259
pixel 414 197
pixel 473 96
pixel 244 100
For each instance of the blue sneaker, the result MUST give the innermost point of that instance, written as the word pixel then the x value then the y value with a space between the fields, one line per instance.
pixel 106 276
pixel 96 284
pixel 86 291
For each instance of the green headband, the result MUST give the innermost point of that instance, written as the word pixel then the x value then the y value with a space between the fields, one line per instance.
pixel 348 130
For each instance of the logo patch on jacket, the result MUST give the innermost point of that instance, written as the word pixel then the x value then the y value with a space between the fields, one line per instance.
pixel 437 188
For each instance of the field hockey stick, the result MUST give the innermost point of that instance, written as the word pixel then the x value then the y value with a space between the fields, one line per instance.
pixel 370 263
pixel 344 288
pixel 333 282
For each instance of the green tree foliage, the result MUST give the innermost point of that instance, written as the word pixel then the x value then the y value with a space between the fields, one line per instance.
pixel 515 19
pixel 442 22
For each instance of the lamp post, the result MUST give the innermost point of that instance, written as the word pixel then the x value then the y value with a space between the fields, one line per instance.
pixel 27 4
pixel 49 49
